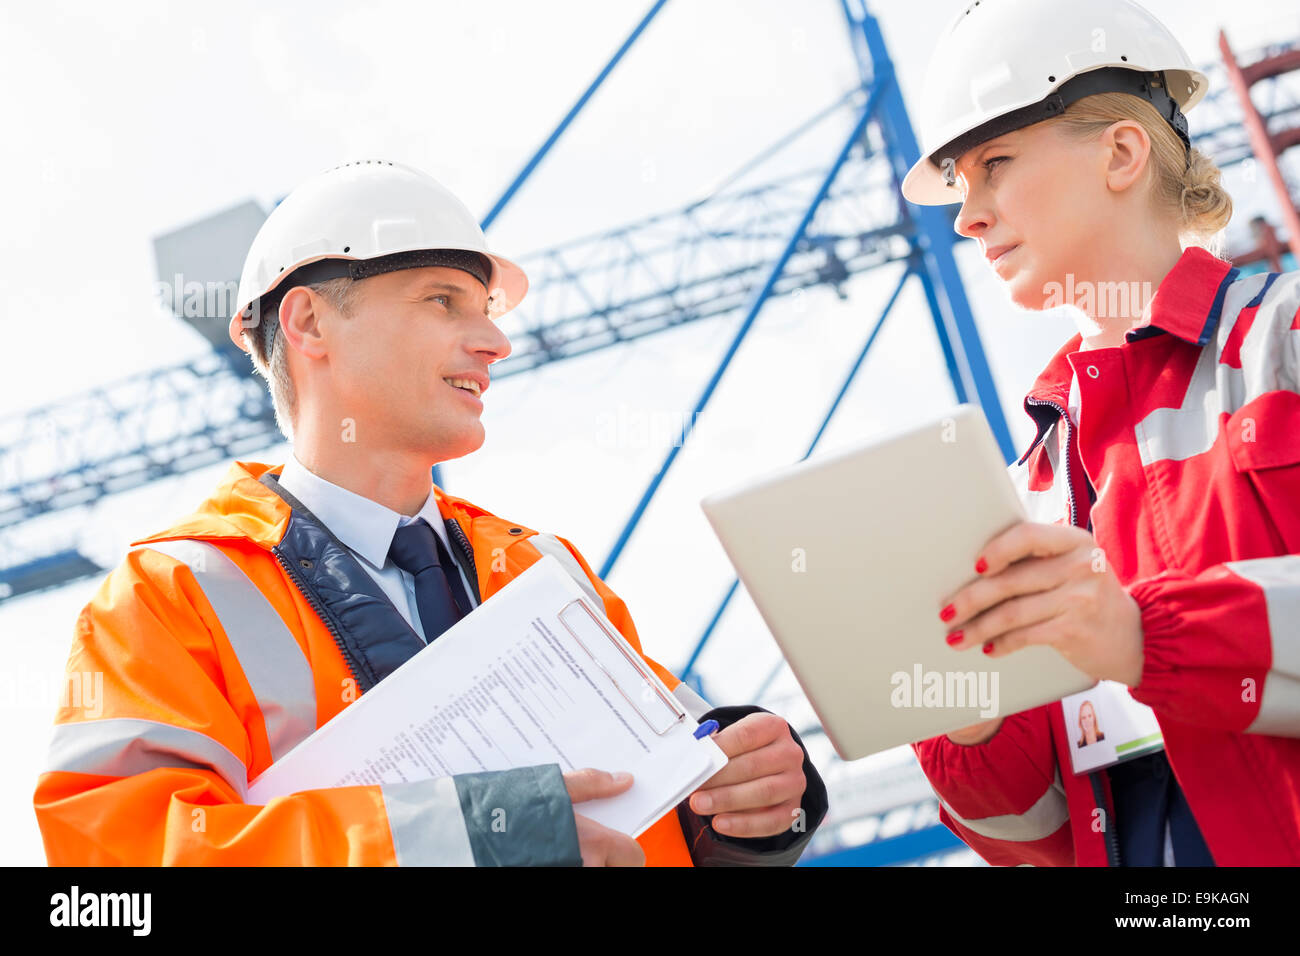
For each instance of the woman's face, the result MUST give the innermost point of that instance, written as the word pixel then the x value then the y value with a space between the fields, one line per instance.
pixel 1087 719
pixel 1037 202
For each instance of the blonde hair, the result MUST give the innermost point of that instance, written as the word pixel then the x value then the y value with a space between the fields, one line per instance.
pixel 270 355
pixel 1192 189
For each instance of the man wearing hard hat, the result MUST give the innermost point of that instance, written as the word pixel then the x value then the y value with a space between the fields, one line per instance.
pixel 368 301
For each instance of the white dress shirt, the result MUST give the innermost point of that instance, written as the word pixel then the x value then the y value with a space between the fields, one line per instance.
pixel 367 528
pixel 1074 402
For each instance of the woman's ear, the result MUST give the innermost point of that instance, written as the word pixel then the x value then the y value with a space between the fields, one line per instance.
pixel 1128 149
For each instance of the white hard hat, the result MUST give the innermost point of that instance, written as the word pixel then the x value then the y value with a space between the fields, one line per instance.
pixel 363 219
pixel 1003 65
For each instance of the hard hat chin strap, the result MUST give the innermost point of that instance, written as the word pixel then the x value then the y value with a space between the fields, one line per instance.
pixel 1152 87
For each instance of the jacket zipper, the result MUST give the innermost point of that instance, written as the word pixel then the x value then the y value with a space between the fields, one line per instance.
pixel 1098 790
pixel 467 551
pixel 293 576
pixel 1065 456
pixel 1108 831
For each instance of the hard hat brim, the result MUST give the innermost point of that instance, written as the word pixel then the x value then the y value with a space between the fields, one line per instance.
pixel 506 284
pixel 926 184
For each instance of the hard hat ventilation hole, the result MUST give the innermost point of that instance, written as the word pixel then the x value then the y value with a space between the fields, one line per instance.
pixel 347 248
pixel 1124 58
pixel 1051 79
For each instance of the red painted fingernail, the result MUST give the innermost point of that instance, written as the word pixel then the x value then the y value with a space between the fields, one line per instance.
pixel 948 613
pixel 955 638
pixel 981 566
pixel 988 648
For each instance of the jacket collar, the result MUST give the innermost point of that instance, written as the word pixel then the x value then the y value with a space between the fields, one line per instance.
pixel 1189 302
pixel 249 506
pixel 242 507
pixel 365 526
pixel 1188 305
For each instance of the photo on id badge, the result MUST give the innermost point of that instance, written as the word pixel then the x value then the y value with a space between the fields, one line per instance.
pixel 1106 726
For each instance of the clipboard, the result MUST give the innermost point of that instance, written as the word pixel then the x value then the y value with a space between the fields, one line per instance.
pixel 509 685
pixel 658 707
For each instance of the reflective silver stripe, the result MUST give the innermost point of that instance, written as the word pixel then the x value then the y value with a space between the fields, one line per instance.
pixel 1271 348
pixel 1177 434
pixel 695 705
pixel 549 544
pixel 1040 821
pixel 1279 707
pixel 1279 703
pixel 126 746
pixel 277 672
pixel 424 817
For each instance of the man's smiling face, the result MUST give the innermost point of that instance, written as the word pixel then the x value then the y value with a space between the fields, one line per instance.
pixel 412 358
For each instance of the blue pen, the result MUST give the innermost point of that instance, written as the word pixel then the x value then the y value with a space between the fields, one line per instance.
pixel 706 728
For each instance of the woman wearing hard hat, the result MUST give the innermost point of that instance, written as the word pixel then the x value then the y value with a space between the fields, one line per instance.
pixel 1162 554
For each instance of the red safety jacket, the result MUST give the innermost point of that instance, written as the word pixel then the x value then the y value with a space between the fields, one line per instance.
pixel 1186 466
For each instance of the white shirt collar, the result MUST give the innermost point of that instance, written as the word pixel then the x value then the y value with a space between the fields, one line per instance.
pixel 365 526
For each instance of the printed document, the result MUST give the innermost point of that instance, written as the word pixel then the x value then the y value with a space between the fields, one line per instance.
pixel 536 675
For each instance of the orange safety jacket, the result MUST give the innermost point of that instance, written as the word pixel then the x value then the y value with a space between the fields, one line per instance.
pixel 227 639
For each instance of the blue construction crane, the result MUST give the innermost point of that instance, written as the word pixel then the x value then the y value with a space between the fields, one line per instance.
pixel 817 228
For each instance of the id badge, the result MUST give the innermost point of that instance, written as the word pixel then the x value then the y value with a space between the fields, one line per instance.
pixel 1106 726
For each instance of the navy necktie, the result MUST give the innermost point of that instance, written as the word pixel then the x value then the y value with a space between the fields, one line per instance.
pixel 418 551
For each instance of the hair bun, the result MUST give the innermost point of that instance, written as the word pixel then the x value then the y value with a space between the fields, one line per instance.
pixel 1205 204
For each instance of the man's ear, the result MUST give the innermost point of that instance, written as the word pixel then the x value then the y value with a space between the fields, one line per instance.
pixel 300 323
pixel 1128 148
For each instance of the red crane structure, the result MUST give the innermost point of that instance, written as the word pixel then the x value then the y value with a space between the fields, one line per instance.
pixel 1268 147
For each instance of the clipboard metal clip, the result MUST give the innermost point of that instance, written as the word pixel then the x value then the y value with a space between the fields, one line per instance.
pixel 658 708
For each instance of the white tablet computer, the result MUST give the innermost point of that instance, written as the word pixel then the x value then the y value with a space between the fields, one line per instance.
pixel 848 558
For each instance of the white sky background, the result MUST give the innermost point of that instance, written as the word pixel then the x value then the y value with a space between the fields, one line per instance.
pixel 128 121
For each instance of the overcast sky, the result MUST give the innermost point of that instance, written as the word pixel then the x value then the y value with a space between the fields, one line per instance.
pixel 129 120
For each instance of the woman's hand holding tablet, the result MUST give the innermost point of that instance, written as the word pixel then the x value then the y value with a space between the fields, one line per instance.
pixel 1049 584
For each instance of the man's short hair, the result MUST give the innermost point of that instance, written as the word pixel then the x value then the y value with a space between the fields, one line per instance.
pixel 270 353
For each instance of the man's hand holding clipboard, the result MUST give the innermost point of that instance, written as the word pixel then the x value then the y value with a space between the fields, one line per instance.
pixel 759 792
